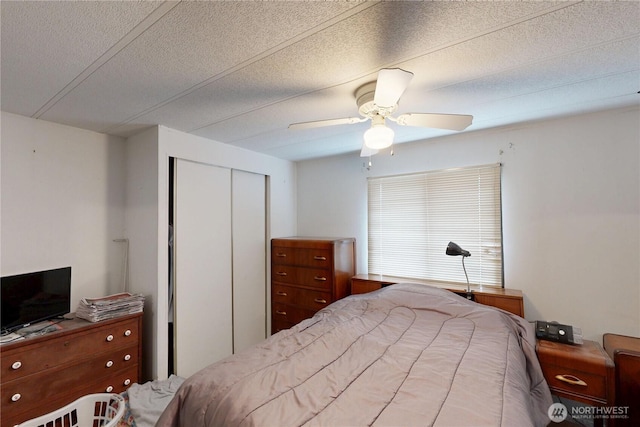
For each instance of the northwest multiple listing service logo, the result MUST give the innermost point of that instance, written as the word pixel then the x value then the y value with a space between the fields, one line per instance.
pixel 558 412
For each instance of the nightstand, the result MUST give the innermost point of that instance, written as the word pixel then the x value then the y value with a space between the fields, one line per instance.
pixel 584 373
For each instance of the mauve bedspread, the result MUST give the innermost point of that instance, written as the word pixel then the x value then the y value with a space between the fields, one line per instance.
pixel 402 356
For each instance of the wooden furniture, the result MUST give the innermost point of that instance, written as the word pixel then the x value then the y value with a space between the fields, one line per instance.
pixel 510 300
pixel 583 373
pixel 307 274
pixel 625 352
pixel 44 373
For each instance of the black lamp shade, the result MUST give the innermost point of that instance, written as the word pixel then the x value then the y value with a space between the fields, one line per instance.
pixel 454 250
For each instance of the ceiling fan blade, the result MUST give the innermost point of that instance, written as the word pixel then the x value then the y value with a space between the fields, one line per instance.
pixel 366 151
pixel 436 121
pixel 330 122
pixel 390 86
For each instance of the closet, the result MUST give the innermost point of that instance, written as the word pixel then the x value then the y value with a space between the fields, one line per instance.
pixel 218 265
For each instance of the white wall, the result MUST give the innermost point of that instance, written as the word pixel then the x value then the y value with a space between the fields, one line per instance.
pixel 62 203
pixel 572 181
pixel 147 215
pixel 68 193
pixel 141 228
pixel 571 210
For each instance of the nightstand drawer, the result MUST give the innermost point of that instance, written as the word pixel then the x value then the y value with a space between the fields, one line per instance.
pixel 578 372
pixel 590 386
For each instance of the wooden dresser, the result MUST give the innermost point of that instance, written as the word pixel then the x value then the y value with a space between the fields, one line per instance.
pixel 307 274
pixel 44 373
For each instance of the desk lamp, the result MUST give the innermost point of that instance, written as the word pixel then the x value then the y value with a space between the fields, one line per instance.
pixel 455 250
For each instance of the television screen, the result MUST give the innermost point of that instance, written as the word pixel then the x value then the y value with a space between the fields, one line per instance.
pixel 34 297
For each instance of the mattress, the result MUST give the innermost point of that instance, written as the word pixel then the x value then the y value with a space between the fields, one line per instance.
pixel 405 355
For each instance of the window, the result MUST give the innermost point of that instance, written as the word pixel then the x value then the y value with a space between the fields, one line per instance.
pixel 413 217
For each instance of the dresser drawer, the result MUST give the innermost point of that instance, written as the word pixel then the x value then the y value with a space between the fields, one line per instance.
pixel 304 257
pixel 96 374
pixel 30 405
pixel 30 359
pixel 278 324
pixel 307 298
pixel 312 277
pixel 290 313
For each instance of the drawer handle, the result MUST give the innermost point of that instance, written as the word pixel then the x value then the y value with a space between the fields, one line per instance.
pixel 281 255
pixel 16 397
pixel 282 294
pixel 109 364
pixel 571 380
pixel 109 389
pixel 282 313
pixel 127 382
pixel 16 365
pixel 320 278
pixel 281 273
pixel 127 333
pixel 320 258
pixel 127 357
pixel 109 338
pixel 320 301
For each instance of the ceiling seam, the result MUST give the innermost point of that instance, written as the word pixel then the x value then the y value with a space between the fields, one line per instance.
pixel 305 34
pixel 572 83
pixel 139 29
pixel 302 37
pixel 540 61
pixel 546 88
pixel 491 30
pixel 429 52
pixel 528 122
pixel 436 49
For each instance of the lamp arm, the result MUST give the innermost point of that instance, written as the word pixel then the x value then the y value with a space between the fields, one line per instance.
pixel 465 275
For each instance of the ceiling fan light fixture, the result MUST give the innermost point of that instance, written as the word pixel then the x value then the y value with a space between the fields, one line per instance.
pixel 378 136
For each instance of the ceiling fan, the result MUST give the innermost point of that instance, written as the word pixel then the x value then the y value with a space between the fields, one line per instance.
pixel 377 101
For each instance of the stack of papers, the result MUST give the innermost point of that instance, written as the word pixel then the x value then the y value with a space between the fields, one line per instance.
pixel 109 307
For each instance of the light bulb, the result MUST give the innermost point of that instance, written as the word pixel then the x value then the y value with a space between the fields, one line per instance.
pixel 378 137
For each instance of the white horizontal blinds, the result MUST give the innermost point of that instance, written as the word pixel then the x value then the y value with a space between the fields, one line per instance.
pixel 413 217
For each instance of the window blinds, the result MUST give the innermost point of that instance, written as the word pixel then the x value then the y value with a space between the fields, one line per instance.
pixel 413 217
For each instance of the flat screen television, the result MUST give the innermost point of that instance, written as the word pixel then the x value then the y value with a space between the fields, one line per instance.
pixel 33 297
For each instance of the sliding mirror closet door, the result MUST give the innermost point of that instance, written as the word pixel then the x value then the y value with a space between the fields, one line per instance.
pixel 249 259
pixel 203 266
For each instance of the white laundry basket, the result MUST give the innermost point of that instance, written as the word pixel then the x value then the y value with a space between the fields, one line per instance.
pixel 92 410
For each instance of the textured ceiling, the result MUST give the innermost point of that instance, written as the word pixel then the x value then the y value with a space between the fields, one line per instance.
pixel 241 72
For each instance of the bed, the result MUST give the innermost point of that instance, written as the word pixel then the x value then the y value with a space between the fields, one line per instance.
pixel 405 355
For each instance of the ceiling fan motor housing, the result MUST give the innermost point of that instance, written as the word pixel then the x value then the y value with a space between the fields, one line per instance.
pixel 366 106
